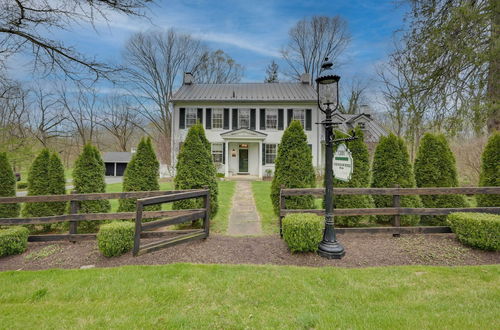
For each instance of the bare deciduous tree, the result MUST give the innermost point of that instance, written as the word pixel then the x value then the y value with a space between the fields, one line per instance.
pixel 120 119
pixel 217 68
pixel 356 97
pixel 311 40
pixel 25 27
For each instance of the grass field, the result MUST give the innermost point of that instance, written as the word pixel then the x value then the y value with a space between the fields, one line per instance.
pixel 237 297
pixel 218 223
pixel 262 195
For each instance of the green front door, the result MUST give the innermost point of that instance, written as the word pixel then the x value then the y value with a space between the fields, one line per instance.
pixel 243 161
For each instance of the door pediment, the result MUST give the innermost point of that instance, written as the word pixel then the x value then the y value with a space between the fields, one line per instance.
pixel 244 133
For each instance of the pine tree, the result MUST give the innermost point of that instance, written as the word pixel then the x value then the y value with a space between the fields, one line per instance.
pixel 7 188
pixel 490 171
pixel 39 184
pixel 360 179
pixel 195 170
pixel 272 73
pixel 57 183
pixel 293 168
pixel 89 177
pixel 435 167
pixel 391 166
pixel 142 174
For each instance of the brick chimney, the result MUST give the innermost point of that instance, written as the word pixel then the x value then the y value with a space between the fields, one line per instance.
pixel 188 78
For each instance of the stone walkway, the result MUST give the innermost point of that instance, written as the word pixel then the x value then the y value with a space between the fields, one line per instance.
pixel 244 218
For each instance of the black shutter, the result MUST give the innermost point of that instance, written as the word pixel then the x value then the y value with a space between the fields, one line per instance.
pixel 280 119
pixel 235 119
pixel 226 118
pixel 290 116
pixel 182 118
pixel 223 153
pixel 308 120
pixel 262 119
pixel 252 118
pixel 263 154
pixel 200 115
pixel 208 114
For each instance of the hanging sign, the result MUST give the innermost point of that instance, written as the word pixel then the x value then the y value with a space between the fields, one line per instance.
pixel 342 163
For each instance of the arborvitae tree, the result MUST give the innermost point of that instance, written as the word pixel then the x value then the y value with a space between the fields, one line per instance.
pixel 195 170
pixel 490 171
pixel 89 177
pixel 57 183
pixel 142 174
pixel 360 179
pixel 293 169
pixel 7 188
pixel 435 167
pixel 39 184
pixel 391 166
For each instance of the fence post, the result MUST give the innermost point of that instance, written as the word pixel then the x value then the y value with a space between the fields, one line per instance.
pixel 396 203
pixel 138 228
pixel 206 220
pixel 282 206
pixel 74 207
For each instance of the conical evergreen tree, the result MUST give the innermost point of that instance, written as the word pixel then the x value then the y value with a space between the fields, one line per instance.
pixel 490 171
pixel 360 179
pixel 391 166
pixel 293 168
pixel 435 167
pixel 57 183
pixel 89 177
pixel 142 174
pixel 195 170
pixel 7 188
pixel 39 184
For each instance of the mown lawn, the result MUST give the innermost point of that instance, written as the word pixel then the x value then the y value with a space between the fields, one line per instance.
pixel 218 224
pixel 262 195
pixel 236 297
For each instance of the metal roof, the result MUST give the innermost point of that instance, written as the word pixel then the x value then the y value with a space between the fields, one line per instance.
pixel 117 157
pixel 246 92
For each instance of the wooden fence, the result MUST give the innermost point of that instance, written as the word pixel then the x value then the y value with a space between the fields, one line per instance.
pixel 396 210
pixel 143 198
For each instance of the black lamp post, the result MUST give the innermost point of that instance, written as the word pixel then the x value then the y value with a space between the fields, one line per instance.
pixel 327 84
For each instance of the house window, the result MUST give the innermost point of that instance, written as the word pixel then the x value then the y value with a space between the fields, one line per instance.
pixel 270 153
pixel 271 119
pixel 217 118
pixel 244 118
pixel 299 114
pixel 191 117
pixel 217 155
pixel 361 125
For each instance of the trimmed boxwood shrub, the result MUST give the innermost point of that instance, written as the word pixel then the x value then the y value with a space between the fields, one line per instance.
pixel 13 240
pixel 294 168
pixel 303 232
pixel 142 174
pixel 116 238
pixel 435 167
pixel 7 188
pixel 490 171
pixel 391 166
pixel 480 230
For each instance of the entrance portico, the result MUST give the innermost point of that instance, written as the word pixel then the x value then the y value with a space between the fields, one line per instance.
pixel 243 152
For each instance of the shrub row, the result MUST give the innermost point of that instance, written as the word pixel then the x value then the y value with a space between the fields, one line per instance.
pixel 13 240
pixel 478 230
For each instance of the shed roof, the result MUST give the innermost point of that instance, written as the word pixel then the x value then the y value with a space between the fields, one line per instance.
pixel 246 92
pixel 117 157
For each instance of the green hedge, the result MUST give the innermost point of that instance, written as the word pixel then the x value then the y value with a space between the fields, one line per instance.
pixel 303 231
pixel 13 240
pixel 480 230
pixel 116 238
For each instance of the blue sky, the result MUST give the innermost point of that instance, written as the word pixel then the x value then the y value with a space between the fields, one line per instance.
pixel 252 32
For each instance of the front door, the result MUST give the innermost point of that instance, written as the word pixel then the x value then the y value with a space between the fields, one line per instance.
pixel 243 161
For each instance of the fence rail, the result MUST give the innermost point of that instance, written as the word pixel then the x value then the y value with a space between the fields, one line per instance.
pixel 396 210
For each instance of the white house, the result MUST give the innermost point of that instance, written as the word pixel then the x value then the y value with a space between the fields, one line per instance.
pixel 244 122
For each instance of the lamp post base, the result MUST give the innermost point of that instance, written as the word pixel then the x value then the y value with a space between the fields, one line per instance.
pixel 331 250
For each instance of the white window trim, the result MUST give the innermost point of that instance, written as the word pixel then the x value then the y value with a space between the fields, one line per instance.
pixel 189 112
pixel 266 153
pixel 216 151
pixel 240 112
pixel 295 116
pixel 221 110
pixel 274 112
